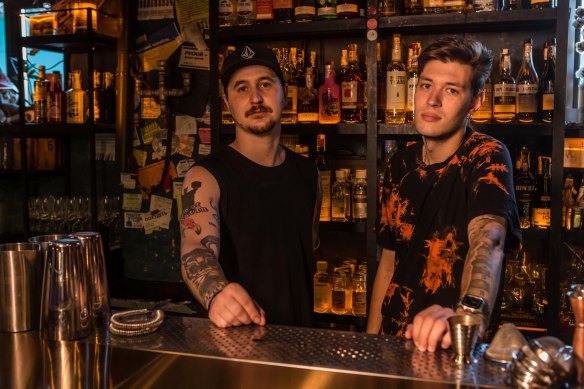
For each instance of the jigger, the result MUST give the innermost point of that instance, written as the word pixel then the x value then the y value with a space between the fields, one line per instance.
pixel 576 296
pixel 95 264
pixel 464 331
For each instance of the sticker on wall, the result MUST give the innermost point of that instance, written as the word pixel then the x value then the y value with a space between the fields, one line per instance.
pixel 192 58
pixel 205 135
pixel 128 180
pixel 150 108
pixel 185 125
pixel 150 176
pixel 132 202
pixel 140 157
pixel 204 149
pixel 148 131
pixel 155 221
pixel 183 166
pixel 133 220
pixel 159 144
pixel 186 145
pixel 155 10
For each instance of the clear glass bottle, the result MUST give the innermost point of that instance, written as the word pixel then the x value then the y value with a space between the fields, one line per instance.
pixel 76 99
pixel 227 13
pixel 290 112
pixel 341 198
pixel 341 294
pixel 56 103
pixel 485 112
pixel 525 188
pixel 352 90
pixel 505 91
pixel 329 94
pixel 433 6
pixel 547 83
pixel 387 8
pixel 322 288
pixel 359 196
pixel 246 12
pixel 326 9
pixel 304 10
pixel 413 77
pixel 359 298
pixel 413 7
pixel 347 9
pixel 39 97
pixel 308 99
pixel 527 85
pixel 395 105
pixel 283 11
pixel 389 149
pixel 325 177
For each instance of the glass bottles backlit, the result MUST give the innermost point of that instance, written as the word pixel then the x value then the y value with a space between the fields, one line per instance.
pixel 341 292
pixel 40 97
pixel 352 90
pixel 322 288
pixel 290 112
pixel 413 76
pixel 308 99
pixel 396 85
pixel 76 99
pixel 329 94
pixel 347 9
pixel 359 294
pixel 304 10
pixel 56 103
pixel 325 178
pixel 505 91
pixel 547 83
pixel 527 84
pixel 359 196
pixel 341 198
pixel 485 112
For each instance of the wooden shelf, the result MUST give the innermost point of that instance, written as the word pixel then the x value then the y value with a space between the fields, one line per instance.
pixel 342 226
pixel 80 42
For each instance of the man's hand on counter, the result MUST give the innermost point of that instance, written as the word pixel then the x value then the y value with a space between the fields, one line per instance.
pixel 430 327
pixel 233 306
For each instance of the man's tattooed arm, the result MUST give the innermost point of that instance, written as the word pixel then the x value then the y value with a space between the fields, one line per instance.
pixel 202 272
pixel 484 260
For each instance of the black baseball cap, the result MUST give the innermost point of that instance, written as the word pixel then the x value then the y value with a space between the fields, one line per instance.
pixel 247 55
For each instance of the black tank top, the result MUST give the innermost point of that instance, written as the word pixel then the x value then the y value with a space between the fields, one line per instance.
pixel 266 216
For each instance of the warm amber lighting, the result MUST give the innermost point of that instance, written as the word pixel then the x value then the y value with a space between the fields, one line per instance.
pixel 80 21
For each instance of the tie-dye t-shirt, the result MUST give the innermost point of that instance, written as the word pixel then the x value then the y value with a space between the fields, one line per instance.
pixel 424 215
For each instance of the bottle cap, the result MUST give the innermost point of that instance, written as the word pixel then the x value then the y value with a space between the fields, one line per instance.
pixel 360 173
pixel 321 265
pixel 340 174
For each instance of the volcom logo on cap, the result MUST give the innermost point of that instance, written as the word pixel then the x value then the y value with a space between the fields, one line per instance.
pixel 247 53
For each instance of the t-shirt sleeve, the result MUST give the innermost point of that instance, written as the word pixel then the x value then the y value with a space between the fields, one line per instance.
pixel 491 188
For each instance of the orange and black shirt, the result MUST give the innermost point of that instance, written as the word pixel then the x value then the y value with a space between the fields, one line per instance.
pixel 424 214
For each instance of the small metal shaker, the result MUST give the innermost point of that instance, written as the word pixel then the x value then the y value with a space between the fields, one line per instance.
pixel 576 296
pixel 95 264
pixel 65 311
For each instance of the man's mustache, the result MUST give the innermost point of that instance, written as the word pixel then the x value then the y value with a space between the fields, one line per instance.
pixel 256 109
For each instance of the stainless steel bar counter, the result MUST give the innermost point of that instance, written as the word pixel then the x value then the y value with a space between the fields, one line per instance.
pixel 189 352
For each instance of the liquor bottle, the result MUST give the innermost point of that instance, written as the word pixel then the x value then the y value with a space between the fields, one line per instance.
pixel 325 178
pixel 389 149
pixel 304 10
pixel 395 104
pixel 568 202
pixel 40 97
pixel 329 94
pixel 347 9
pixel 56 103
pixel 344 65
pixel 352 90
pixel 387 8
pixel 485 112
pixel 510 5
pixel 314 66
pixel 322 288
pixel 454 6
pixel 264 11
pixel 433 6
pixel 283 11
pixel 341 198
pixel 484 5
pixel 524 189
pixel 541 210
pixel 97 97
pixel 381 87
pixel 547 83
pixel 290 112
pixel 527 84
pixel 359 298
pixel 505 91
pixel 108 112
pixel 76 99
pixel 540 4
pixel 413 53
pixel 227 13
pixel 326 9
pixel 580 195
pixel 308 99
pixel 413 7
pixel 359 196
pixel 246 12
pixel 340 303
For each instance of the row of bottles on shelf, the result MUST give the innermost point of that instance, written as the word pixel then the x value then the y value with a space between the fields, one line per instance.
pixel 343 98
pixel 247 12
pixel 342 291
pixel 42 154
pixel 53 105
pixel 533 194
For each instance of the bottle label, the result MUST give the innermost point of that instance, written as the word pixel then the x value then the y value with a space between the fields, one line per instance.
pixel 396 90
pixel 526 98
pixel 305 10
pixel 360 206
pixel 330 106
pixel 291 99
pixel 484 5
pixel 359 303
pixel 548 102
pixel 433 3
pixel 286 4
pixel 326 11
pixel 349 96
pixel 541 217
pixel 225 8
pixel 244 8
pixel 412 82
pixel 264 10
pixel 347 8
pixel 308 117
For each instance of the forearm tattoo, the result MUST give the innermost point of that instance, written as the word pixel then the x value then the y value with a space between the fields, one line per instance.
pixel 484 260
pixel 203 272
pixel 191 207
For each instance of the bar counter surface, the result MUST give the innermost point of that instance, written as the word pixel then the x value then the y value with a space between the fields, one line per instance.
pixel 189 352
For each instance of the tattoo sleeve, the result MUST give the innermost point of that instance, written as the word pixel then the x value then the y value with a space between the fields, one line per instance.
pixel 202 271
pixel 484 260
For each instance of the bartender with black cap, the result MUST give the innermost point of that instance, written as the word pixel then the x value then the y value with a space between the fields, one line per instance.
pixel 251 209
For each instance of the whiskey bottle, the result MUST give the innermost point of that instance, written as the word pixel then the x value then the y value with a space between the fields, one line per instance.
pixel 329 94
pixel 40 97
pixel 108 112
pixel 283 11
pixel 381 87
pixel 352 91
pixel 413 53
pixel 359 196
pixel 396 85
pixel 264 11
pixel 347 9
pixel 341 294
pixel 304 10
pixel 344 65
pixel 413 7
pixel 359 298
pixel 485 112
pixel 290 112
pixel 484 5
pixel 326 9
pixel 540 4
pixel 56 103
pixel 325 178
pixel 387 8
pixel 322 288
pixel 524 189
pixel 246 12
pixel 308 99
pixel 505 91
pixel 547 82
pixel 454 6
pixel 76 99
pixel 568 202
pixel 527 85
pixel 97 97
pixel 433 6
pixel 341 197
pixel 227 13
pixel 541 211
